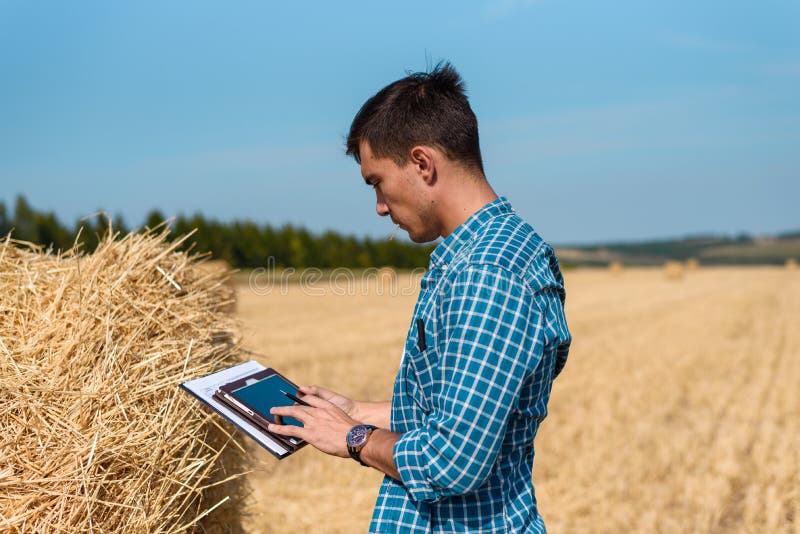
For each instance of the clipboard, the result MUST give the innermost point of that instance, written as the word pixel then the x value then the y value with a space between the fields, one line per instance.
pixel 204 389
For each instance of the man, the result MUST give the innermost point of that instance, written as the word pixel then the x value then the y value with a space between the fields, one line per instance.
pixel 487 337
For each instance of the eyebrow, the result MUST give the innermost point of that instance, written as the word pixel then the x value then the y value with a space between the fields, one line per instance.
pixel 369 178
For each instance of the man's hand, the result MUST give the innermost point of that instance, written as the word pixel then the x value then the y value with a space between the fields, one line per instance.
pixel 348 406
pixel 325 424
pixel 372 413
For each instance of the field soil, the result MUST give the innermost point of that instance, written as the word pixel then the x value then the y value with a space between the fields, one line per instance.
pixel 678 410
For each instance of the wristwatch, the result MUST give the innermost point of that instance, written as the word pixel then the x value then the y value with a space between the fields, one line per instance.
pixel 356 439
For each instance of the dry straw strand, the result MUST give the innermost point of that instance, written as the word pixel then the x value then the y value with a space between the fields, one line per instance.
pixel 97 436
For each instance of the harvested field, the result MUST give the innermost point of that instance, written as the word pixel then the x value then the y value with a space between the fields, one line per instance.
pixel 677 412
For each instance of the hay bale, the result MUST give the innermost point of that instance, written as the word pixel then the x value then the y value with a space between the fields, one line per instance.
pixel 222 271
pixel 791 264
pixel 692 264
pixel 96 435
pixel 673 270
pixel 615 267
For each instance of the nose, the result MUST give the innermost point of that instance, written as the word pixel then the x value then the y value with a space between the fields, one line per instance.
pixel 380 205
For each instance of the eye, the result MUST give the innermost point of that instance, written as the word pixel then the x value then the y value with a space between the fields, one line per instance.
pixel 372 181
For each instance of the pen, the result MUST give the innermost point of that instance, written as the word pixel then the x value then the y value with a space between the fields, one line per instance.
pixel 294 398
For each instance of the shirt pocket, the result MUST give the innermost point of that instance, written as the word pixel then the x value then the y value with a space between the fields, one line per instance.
pixel 421 361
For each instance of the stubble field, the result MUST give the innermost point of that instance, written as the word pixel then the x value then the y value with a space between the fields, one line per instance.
pixel 678 410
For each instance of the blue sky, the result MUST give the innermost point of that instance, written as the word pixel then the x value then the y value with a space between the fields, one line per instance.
pixel 600 121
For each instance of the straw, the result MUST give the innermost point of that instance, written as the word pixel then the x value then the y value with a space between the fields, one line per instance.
pixel 96 435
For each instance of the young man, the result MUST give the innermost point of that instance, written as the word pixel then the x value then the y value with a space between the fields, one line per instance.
pixel 487 337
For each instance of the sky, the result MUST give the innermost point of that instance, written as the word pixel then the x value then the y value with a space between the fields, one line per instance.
pixel 600 121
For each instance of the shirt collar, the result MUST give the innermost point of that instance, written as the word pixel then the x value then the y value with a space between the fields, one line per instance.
pixel 444 252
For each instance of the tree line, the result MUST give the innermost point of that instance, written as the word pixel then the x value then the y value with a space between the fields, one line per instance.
pixel 243 244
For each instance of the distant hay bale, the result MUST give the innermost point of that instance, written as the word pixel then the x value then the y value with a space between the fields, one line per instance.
pixel 692 264
pixel 791 264
pixel 615 267
pixel 673 270
pixel 96 434
pixel 387 274
pixel 387 279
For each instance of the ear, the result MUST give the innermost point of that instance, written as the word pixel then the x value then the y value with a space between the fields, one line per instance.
pixel 424 161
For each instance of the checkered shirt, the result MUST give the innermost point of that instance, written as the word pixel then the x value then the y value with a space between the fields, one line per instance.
pixel 469 400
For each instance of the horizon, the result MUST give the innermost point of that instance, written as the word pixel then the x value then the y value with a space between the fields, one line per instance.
pixel 633 123
pixel 171 219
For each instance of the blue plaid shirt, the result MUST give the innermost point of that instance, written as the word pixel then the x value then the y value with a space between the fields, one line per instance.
pixel 469 399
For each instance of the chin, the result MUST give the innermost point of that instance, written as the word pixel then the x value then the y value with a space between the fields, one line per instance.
pixel 422 238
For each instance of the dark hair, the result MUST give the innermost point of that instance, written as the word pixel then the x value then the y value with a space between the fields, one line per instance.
pixel 424 108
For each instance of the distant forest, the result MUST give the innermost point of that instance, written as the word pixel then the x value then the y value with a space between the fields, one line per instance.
pixel 243 244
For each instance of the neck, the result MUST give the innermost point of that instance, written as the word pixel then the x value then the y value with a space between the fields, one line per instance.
pixel 464 195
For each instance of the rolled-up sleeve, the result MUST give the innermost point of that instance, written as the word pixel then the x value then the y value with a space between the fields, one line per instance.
pixel 489 336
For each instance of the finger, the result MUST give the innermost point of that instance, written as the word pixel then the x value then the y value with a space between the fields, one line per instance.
pixel 317 402
pixel 314 390
pixel 288 430
pixel 298 412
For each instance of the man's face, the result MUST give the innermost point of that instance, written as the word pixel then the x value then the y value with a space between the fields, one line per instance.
pixel 401 193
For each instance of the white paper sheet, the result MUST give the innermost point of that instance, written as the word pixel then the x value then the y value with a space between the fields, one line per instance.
pixel 204 388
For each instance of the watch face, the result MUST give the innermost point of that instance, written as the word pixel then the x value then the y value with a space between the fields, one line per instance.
pixel 357 435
